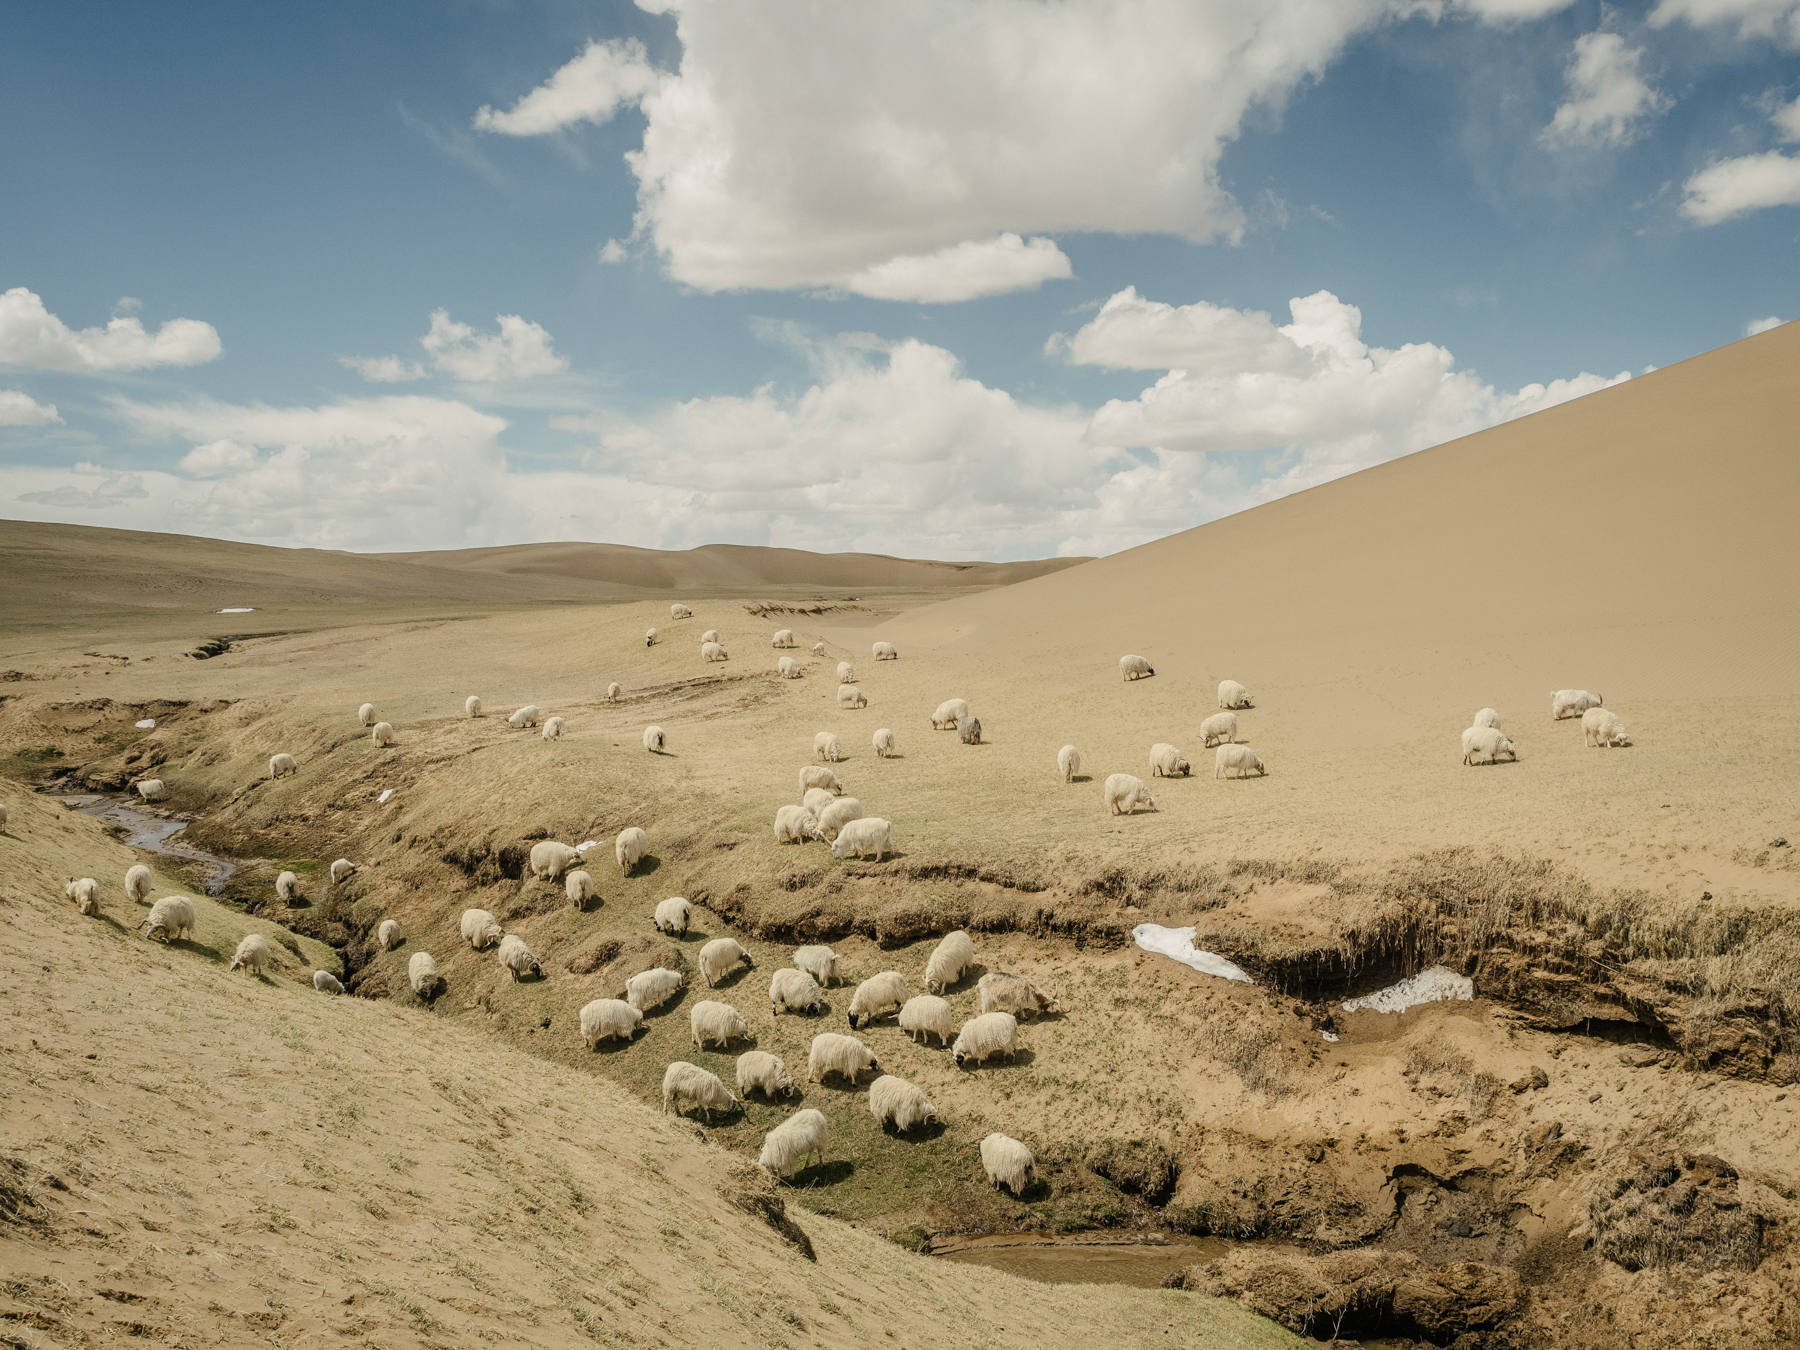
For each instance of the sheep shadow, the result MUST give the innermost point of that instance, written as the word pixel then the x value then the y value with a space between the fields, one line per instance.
pixel 611 1045
pixel 927 1133
pixel 824 1174
pixel 644 866
pixel 971 975
pixel 1081 778
pixel 837 1083
pixel 730 979
pixel 668 1005
pixel 1021 1059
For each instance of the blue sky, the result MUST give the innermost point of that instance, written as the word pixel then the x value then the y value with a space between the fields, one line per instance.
pixel 943 279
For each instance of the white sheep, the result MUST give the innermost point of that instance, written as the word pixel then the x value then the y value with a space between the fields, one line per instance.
pixel 1236 761
pixel 85 893
pixel 1135 668
pixel 793 824
pixel 949 713
pixel 883 741
pixel 422 974
pixel 652 988
pixel 654 740
pixel 384 734
pixel 846 673
pixel 1487 717
pixel 1572 703
pixel 817 776
pixel 876 997
pixel 282 764
pixel 480 929
pixel 387 937
pixel 716 1022
pixel 150 789
pixel 472 706
pixel 793 990
pixel 759 1069
pixel 137 883
pixel 170 918
pixel 983 1037
pixel 1068 763
pixel 5 815
pixel 614 691
pixel 550 858
pixel 689 1082
pixel 680 612
pixel 1126 792
pixel 1001 991
pixel 792 1142
pixel 784 637
pixel 673 916
pixel 948 960
pixel 608 1019
pixel 894 1101
pixel 788 668
pixel 842 1055
pixel 528 716
pixel 710 635
pixel 1168 762
pixel 827 747
pixel 1233 695
pixel 818 649
pixel 818 962
pixel 649 637
pixel 712 651
pixel 925 1014
pixel 849 696
pixel 1008 1163
pixel 1219 729
pixel 835 816
pixel 1484 745
pixel 968 731
pixel 342 870
pixel 1599 726
pixel 287 888
pixel 366 715
pixel 517 959
pixel 630 847
pixel 252 954
pixel 719 956
pixel 553 728
pixel 327 983
pixel 579 887
pixel 885 651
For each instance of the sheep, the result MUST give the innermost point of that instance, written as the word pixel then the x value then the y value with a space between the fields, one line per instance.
pixel 818 962
pixel 480 928
pixel 1008 1163
pixel 1484 745
pixel 712 651
pixel 885 651
pixel 652 988
pixel 834 817
pixel 341 871
pixel 1168 762
pixel 1000 991
pixel 579 887
pixel 608 1019
pixel 327 983
pixel 680 612
pixel 842 1055
pixel 654 740
pixel 553 729
pixel 710 635
pixel 719 956
pixel 793 824
pixel 85 893
pixel 525 717
pixel 948 960
pixel 1572 703
pixel 673 916
pixel 816 799
pixel 983 1037
pixel 949 713
pixel 849 696
pixel 684 1081
pixel 1068 763
pixel 716 1022
pixel 1126 792
pixel 171 917
pixel 613 691
pixel 1240 759
pixel 759 1069
pixel 384 734
pixel 1135 668
pixel 925 1014
pixel 1487 717
pixel 550 858
pixel 1220 728
pixel 252 954
pixel 818 649
pixel 813 776
pixel 876 997
pixel 472 706
pixel 365 715
pixel 883 741
pixel 1599 726
pixel 287 888
pixel 5 815
pixel 422 974
pixel 387 937
pixel 968 731
pixel 137 883
pixel 649 637
pixel 784 637
pixel 150 789
pixel 826 746
pixel 894 1101
pixel 797 1138
pixel 846 673
pixel 283 763
pixel 630 847
pixel 788 668
pixel 791 989
pixel 1234 695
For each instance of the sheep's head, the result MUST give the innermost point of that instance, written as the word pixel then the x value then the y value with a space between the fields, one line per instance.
pixel 852 1020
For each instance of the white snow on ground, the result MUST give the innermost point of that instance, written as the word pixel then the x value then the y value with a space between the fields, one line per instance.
pixel 1178 945
pixel 385 794
pixel 146 724
pixel 239 609
pixel 1428 986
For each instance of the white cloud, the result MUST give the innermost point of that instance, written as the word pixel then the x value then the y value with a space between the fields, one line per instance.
pixel 1132 333
pixel 1733 187
pixel 218 457
pixel 1756 326
pixel 591 88
pixel 518 350
pixel 383 369
pixel 19 409
pixel 1511 11
pixel 111 489
pixel 1773 20
pixel 32 336
pixel 1608 96
pixel 964 271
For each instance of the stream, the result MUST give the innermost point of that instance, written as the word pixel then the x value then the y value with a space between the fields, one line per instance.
pixel 149 832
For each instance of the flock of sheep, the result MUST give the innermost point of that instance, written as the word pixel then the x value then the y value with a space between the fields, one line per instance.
pixel 1485 743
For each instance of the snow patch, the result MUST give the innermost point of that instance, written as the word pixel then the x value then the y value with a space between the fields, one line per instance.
pixel 146 724
pixel 1178 945
pixel 1428 986
pixel 385 794
pixel 239 609
pixel 1328 1036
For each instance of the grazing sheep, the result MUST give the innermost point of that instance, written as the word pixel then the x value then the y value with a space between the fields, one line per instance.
pixel 949 713
pixel 170 917
pixel 842 1055
pixel 948 960
pixel 287 887
pixel 654 740
pixel 550 858
pixel 1135 668
pixel 719 956
pixel 151 788
pixel 366 715
pixel 649 637
pixel 342 870
pixel 1602 727
pixel 1068 763
pixel 1572 703
pixel 793 824
pixel 613 691
pixel 712 651
pixel 788 668
pixel 1008 1163
pixel 480 928
pixel 849 696
pixel 835 816
pixel 553 728
pixel 607 1019
pixel 472 706
pixel 327 983
pixel 689 1082
pixel 1484 745
pixel 818 962
pixel 784 637
pixel 282 764
pixel 792 990
pixel 673 916
pixel 137 883
pixel 883 741
pixel 968 731
pixel 792 1142
pixel 1236 761
pixel 710 635
pixel 630 847
pixel 815 776
pixel 827 747
pixel 525 717
pixel 1233 695
pixel 579 887
pixel 1487 717
pixel 422 974
pixel 846 673
pixel 1000 991
pixel 876 997
pixel 894 1101
pixel 983 1037
pixel 759 1069
pixel 815 800
pixel 1220 728
pixel 384 734
pixel 1168 762
pixel 925 1014
pixel 652 988
pixel 886 651
pixel 716 1022
pixel 680 612
pixel 818 649
pixel 252 954
pixel 85 893
pixel 5 815
pixel 387 937
pixel 1126 792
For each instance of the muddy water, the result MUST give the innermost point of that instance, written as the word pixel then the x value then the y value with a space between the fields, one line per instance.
pixel 1144 1261
pixel 150 832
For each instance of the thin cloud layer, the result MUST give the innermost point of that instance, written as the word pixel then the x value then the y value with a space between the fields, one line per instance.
pixel 1769 20
pixel 604 78
pixel 30 335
